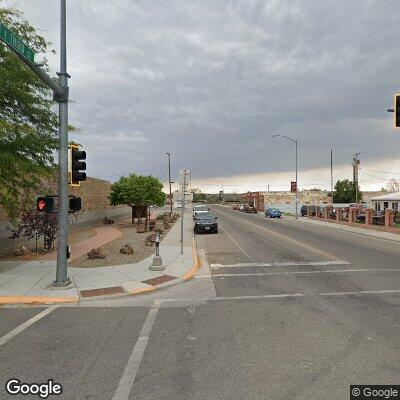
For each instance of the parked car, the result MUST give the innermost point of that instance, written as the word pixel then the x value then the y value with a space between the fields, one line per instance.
pixel 249 209
pixel 359 206
pixel 199 210
pixel 303 210
pixel 273 213
pixel 206 222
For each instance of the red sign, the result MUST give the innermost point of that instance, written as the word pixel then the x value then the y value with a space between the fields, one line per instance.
pixel 293 187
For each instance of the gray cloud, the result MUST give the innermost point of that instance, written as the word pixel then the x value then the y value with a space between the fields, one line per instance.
pixel 151 77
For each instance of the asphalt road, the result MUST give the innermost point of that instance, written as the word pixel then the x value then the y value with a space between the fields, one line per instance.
pixel 280 310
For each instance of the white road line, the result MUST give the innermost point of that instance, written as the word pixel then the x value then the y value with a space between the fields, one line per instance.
pixel 262 296
pixel 360 292
pixel 25 325
pixel 237 244
pixel 286 295
pixel 334 271
pixel 128 378
pixel 281 264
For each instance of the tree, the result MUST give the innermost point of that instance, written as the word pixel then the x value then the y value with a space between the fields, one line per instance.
pixel 137 190
pixel 36 224
pixel 199 197
pixel 28 126
pixel 345 192
pixel 392 186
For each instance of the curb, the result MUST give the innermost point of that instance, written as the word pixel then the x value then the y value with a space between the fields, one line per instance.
pixel 43 300
pixel 36 300
pixel 184 278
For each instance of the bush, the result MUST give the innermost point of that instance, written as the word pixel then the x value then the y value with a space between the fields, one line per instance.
pixel 34 223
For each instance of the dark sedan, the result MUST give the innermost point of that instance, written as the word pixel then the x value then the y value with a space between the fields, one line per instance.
pixel 206 222
pixel 273 213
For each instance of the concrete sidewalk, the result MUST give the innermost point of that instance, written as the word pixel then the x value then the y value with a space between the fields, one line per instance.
pixel 29 282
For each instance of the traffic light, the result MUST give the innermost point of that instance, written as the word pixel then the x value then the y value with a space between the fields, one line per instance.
pixel 45 204
pixel 75 204
pixel 293 187
pixel 77 165
pixel 397 110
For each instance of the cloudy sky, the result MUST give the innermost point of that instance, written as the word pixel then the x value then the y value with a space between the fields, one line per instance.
pixel 212 81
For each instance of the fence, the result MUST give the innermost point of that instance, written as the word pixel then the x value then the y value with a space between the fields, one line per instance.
pixel 366 217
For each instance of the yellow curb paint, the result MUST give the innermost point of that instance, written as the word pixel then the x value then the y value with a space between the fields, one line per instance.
pixel 196 264
pixel 142 290
pixel 36 300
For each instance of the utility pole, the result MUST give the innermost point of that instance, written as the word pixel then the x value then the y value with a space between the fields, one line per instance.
pixel 169 181
pixel 355 164
pixel 297 186
pixel 332 175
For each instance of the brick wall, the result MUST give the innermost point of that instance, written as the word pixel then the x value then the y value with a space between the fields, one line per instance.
pixel 255 199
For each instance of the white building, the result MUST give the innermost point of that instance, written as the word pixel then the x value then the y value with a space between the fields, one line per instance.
pixel 390 200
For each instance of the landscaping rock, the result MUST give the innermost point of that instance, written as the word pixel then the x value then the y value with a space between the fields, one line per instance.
pixel 127 249
pixel 150 239
pixel 96 254
pixel 23 251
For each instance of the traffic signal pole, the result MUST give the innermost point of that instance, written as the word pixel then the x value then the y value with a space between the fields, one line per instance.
pixel 62 243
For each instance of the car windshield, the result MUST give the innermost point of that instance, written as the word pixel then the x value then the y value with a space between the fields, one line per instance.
pixel 206 216
pixel 200 208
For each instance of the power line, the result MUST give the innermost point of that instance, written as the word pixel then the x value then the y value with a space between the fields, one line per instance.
pixel 382 172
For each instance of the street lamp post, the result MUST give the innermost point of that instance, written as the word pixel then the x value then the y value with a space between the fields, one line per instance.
pixel 169 180
pixel 295 142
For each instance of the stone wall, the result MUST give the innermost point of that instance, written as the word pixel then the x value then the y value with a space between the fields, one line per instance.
pixel 305 197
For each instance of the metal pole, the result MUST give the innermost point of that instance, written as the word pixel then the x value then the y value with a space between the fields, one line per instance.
pixel 332 176
pixel 296 182
pixel 62 273
pixel 169 180
pixel 356 182
pixel 183 207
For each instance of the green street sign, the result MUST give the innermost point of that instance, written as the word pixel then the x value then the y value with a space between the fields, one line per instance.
pixel 16 43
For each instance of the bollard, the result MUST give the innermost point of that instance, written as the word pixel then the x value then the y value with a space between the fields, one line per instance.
pixel 157 260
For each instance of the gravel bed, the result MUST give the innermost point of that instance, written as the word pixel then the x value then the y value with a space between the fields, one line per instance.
pixel 6 246
pixel 113 256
